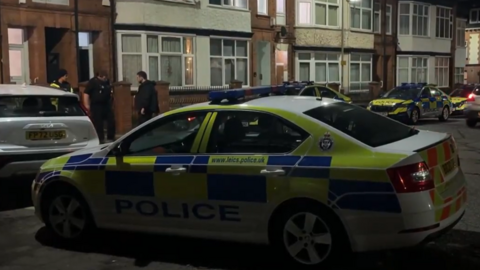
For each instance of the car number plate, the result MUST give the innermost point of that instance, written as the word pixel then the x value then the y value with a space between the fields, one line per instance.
pixel 449 166
pixel 46 135
pixel 383 113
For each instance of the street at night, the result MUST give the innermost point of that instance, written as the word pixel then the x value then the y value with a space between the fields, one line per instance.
pixel 26 244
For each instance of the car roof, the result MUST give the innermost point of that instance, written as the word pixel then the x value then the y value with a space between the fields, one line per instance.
pixel 294 104
pixel 31 90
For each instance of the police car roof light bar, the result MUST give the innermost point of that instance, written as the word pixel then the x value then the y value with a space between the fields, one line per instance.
pixel 234 95
pixel 411 85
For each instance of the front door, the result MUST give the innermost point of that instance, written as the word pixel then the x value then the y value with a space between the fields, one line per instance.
pixel 153 184
pixel 263 63
pixel 245 154
pixel 17 65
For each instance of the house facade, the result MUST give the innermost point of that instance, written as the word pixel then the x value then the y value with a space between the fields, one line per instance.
pixel 39 37
pixel 472 37
pixel 184 42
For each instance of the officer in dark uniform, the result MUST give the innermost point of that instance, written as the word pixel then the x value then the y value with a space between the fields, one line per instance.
pixel 98 100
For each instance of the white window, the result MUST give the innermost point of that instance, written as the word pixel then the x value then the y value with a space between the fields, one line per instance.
pixel 325 12
pixel 228 61
pixel 461 25
pixel 280 6
pixel 377 19
pixel 17 56
pixel 262 7
pixel 361 15
pixel 442 75
pixel 412 69
pixel 243 4
pixel 413 19
pixel 167 58
pixel 475 16
pixel 459 74
pixel 444 23
pixel 319 67
pixel 360 72
pixel 404 19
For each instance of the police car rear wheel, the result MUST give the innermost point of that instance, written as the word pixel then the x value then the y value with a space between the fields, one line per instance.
pixel 414 116
pixel 67 215
pixel 445 114
pixel 309 237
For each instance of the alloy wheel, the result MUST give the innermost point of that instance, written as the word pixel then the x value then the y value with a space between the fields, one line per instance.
pixel 67 216
pixel 414 116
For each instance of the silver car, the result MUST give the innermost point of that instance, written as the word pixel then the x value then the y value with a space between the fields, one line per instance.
pixel 39 123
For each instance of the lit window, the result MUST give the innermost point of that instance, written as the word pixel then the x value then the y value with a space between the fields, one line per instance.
pixel 228 61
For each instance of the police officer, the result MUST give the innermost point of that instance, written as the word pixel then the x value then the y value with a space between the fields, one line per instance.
pixel 146 100
pixel 61 81
pixel 97 99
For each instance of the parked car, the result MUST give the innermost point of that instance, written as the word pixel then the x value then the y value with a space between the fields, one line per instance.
pixel 34 130
pixel 460 96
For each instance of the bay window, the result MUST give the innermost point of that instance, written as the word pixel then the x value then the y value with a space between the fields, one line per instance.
pixel 459 75
pixel 461 25
pixel 361 15
pixel 243 4
pixel 228 61
pixel 442 74
pixel 319 67
pixel 360 72
pixel 318 12
pixel 444 23
pixel 412 69
pixel 167 58
pixel 413 19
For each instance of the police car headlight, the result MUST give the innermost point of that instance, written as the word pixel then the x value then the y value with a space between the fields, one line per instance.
pixel 370 104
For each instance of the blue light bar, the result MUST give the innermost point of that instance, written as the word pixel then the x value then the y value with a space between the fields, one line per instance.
pixel 236 94
pixel 411 85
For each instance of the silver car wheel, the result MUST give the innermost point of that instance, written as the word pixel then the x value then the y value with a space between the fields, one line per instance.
pixel 414 116
pixel 446 113
pixel 307 238
pixel 67 217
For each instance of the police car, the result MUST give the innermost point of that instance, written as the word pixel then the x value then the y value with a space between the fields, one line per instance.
pixel 315 178
pixel 317 90
pixel 462 96
pixel 410 102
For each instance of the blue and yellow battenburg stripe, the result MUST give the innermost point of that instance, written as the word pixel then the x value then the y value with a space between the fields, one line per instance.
pixel 220 178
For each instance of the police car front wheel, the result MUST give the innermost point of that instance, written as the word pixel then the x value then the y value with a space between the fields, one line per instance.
pixel 445 114
pixel 67 215
pixel 309 237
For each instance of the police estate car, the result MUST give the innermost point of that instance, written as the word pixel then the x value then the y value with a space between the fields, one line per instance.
pixel 410 102
pixel 315 178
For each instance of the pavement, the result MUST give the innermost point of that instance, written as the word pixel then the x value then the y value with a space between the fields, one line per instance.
pixel 25 244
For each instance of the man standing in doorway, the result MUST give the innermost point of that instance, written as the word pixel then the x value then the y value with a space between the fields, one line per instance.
pixel 146 101
pixel 61 81
pixel 97 99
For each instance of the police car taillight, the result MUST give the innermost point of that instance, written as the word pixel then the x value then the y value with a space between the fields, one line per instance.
pixel 411 178
pixel 471 97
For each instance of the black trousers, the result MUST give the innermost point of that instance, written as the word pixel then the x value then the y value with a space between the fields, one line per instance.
pixel 142 118
pixel 102 113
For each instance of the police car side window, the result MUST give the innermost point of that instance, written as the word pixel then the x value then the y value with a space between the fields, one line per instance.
pixel 325 92
pixel 426 92
pixel 253 132
pixel 309 92
pixel 170 135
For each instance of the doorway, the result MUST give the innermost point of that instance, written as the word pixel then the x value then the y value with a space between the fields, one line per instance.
pixel 18 56
pixel 86 56
pixel 54 51
pixel 263 63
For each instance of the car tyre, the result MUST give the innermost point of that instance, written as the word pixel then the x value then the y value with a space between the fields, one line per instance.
pixel 309 237
pixel 445 114
pixel 414 116
pixel 66 214
pixel 471 123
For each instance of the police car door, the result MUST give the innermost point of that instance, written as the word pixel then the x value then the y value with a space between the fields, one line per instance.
pixel 242 161
pixel 152 182
pixel 429 103
pixel 440 100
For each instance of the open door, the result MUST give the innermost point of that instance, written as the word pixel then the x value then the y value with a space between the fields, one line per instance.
pixel 263 63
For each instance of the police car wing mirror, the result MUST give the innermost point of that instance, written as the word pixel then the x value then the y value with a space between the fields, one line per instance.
pixel 118 150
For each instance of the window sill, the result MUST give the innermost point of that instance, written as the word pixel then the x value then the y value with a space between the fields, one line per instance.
pixel 317 27
pixel 441 38
pixel 362 31
pixel 229 8
pixel 414 36
pixel 179 2
pixel 261 15
pixel 460 46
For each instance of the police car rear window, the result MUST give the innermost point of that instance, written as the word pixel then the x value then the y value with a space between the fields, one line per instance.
pixel 367 127
pixel 39 106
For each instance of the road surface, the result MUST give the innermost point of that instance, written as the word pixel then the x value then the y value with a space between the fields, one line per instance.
pixel 25 244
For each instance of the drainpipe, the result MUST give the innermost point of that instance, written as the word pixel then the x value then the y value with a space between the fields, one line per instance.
pixel 1 49
pixel 113 15
pixel 384 41
pixel 77 40
pixel 342 44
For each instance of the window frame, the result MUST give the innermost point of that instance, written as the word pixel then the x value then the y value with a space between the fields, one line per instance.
pixel 410 67
pixel 284 121
pixel 461 25
pixel 312 15
pixel 157 122
pixel 470 17
pixel 446 20
pixel 460 75
pixel 360 62
pixel 410 15
pixel 283 5
pixel 232 6
pixel 265 2
pixel 388 18
pixel 362 9
pixel 312 62
pixel 144 54
pixel 439 69
pixel 235 57
pixel 377 10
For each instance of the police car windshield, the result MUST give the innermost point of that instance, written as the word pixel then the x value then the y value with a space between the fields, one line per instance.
pixel 403 93
pixel 39 106
pixel 369 128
